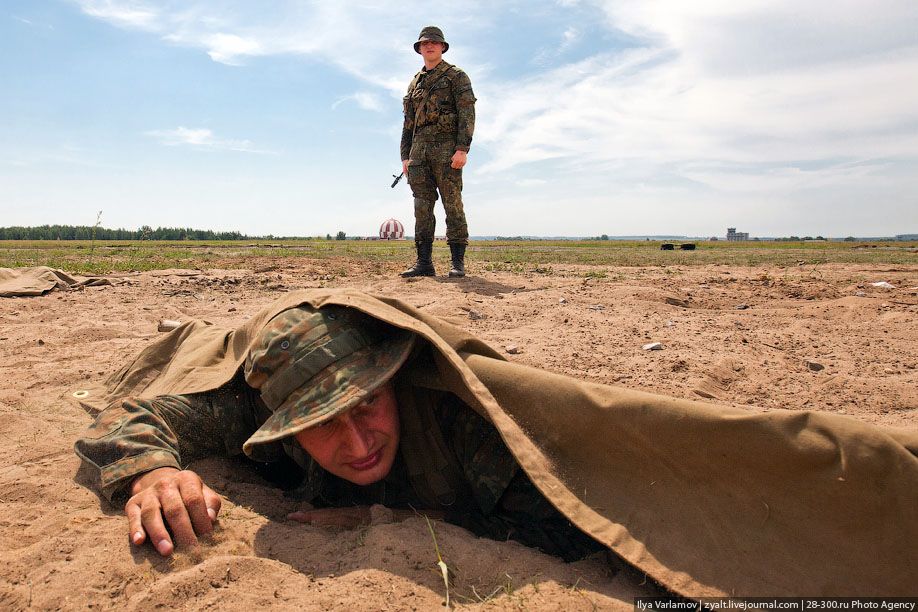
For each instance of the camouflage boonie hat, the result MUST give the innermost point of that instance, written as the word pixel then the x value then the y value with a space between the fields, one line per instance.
pixel 431 33
pixel 311 365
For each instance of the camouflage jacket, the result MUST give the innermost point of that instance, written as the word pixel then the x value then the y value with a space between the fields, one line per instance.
pixel 492 496
pixel 439 105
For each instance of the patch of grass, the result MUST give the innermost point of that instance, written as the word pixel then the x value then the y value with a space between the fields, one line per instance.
pixel 440 563
pixel 503 266
pixel 101 257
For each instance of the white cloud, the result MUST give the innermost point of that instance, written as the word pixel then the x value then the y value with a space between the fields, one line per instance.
pixel 123 13
pixel 570 36
pixel 550 55
pixel 34 24
pixel 363 99
pixel 674 101
pixel 203 139
pixel 753 36
pixel 713 79
pixel 225 48
pixel 230 30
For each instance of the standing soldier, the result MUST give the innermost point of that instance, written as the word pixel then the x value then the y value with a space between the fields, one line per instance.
pixel 437 134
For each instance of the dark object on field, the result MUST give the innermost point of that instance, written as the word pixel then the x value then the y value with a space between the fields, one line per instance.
pixel 687 246
pixel 814 366
pixel 667 246
pixel 397 179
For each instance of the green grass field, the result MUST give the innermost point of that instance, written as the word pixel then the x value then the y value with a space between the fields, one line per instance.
pixel 104 257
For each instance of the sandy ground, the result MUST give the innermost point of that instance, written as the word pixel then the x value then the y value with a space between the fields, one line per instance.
pixel 765 338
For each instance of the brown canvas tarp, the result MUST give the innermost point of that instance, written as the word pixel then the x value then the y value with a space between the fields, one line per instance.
pixel 706 499
pixel 26 282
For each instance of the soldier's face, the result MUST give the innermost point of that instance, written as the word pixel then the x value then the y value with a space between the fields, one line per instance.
pixel 431 50
pixel 359 445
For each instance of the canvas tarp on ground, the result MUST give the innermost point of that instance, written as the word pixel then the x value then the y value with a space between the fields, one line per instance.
pixel 706 499
pixel 27 282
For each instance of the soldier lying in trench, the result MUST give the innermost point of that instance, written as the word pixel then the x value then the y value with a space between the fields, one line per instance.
pixel 370 401
pixel 326 386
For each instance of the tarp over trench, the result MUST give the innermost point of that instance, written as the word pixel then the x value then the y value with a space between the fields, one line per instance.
pixel 708 500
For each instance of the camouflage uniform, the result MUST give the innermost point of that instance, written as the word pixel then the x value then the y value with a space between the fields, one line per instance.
pixel 495 498
pixel 449 458
pixel 439 120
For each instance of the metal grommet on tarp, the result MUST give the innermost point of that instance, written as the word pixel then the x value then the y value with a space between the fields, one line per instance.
pixel 82 393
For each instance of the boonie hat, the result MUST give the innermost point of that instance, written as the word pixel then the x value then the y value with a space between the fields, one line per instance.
pixel 311 365
pixel 431 33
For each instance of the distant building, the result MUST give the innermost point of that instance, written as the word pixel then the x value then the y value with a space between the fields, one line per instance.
pixel 735 236
pixel 906 236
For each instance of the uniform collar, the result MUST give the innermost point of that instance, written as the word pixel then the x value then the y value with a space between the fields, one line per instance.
pixel 441 67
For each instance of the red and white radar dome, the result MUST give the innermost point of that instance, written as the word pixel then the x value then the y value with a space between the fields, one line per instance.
pixel 391 229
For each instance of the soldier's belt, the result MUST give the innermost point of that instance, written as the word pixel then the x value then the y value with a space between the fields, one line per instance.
pixel 433 136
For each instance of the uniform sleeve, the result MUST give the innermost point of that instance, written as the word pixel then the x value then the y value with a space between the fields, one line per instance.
pixel 407 125
pixel 465 109
pixel 484 460
pixel 134 436
pixel 509 505
pixel 405 147
pixel 523 514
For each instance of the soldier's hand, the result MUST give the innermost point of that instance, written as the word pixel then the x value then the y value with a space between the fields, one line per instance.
pixel 459 159
pixel 181 498
pixel 405 166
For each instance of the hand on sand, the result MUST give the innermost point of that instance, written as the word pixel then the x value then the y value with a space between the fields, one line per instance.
pixel 189 506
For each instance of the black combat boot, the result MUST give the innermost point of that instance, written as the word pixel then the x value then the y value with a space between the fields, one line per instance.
pixel 458 253
pixel 424 265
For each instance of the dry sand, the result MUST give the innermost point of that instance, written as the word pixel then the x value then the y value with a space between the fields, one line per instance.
pixel 60 547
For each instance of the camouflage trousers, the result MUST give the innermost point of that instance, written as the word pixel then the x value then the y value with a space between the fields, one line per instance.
pixel 429 172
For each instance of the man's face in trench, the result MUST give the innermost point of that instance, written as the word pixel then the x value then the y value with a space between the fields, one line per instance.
pixel 358 445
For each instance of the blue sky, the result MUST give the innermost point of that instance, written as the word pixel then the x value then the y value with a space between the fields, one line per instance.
pixel 594 116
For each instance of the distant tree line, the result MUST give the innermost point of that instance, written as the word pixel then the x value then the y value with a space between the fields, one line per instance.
pixel 88 232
